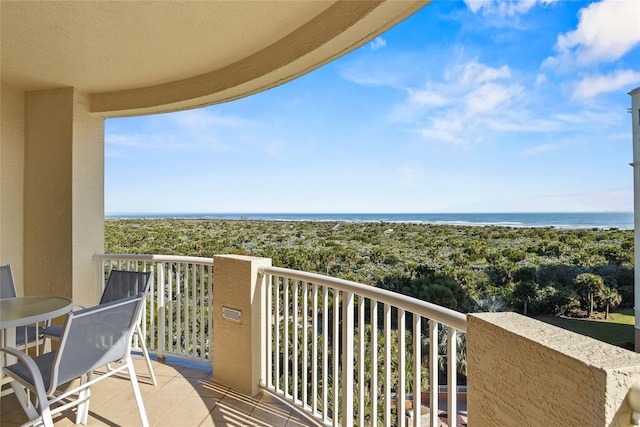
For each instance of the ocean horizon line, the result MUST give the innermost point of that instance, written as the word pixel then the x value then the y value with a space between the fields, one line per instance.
pixel 609 219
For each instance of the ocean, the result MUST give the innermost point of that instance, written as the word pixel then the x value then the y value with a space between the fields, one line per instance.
pixel 605 220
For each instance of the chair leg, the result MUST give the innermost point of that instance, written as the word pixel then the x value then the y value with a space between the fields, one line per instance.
pixel 136 392
pixel 29 409
pixel 22 395
pixel 46 347
pixel 145 352
pixel 82 416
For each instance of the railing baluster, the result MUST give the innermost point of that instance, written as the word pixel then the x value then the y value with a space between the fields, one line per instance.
pixel 325 353
pixel 185 308
pixel 269 327
pixel 387 365
pixel 347 358
pixel 194 316
pixel 452 397
pixel 314 352
pixel 305 343
pixel 276 331
pixel 203 307
pixel 172 307
pixel 402 362
pixel 295 319
pixel 433 372
pixel 161 310
pixel 209 314
pixel 374 362
pixel 417 370
pixel 361 360
pixel 285 335
pixel 334 359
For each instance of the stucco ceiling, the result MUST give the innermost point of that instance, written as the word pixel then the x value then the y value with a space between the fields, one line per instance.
pixel 137 57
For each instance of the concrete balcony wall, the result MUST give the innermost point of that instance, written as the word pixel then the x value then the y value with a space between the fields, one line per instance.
pixel 527 373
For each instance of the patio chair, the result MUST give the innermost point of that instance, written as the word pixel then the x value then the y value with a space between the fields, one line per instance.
pixel 26 336
pixel 90 338
pixel 121 284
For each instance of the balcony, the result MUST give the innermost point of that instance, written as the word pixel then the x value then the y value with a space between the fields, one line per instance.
pixel 279 347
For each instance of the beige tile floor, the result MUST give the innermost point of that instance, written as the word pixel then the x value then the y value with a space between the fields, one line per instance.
pixel 185 396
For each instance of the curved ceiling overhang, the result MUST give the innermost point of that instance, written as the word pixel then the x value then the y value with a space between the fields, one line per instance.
pixel 137 58
pixel 338 30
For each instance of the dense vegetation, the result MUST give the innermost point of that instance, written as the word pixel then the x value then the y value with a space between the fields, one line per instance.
pixel 530 270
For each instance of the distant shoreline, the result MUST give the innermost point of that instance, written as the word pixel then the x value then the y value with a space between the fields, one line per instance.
pixel 566 220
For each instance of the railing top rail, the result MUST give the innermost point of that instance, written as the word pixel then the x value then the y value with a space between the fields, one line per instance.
pixel 150 257
pixel 426 309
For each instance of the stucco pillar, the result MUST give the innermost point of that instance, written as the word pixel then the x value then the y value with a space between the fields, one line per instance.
pixel 635 125
pixel 238 344
pixel 523 372
pixel 63 194
pixel 12 180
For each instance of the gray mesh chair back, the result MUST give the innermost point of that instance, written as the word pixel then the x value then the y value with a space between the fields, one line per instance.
pixel 7 286
pixel 91 338
pixel 95 337
pixel 122 284
pixel 26 335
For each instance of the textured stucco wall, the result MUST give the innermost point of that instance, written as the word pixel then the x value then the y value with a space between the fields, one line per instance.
pixel 527 373
pixel 63 195
pixel 11 180
pixel 237 346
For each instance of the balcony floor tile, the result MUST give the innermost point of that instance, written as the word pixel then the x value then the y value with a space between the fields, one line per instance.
pixel 185 396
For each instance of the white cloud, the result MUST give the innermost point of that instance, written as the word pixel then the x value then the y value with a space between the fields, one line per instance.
pixel 606 31
pixel 490 96
pixel 616 81
pixel 471 99
pixel 474 73
pixel 378 43
pixel 541 79
pixel 368 77
pixel 426 97
pixel 503 8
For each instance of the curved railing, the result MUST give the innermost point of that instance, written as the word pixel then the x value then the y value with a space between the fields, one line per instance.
pixel 177 320
pixel 345 353
pixel 336 350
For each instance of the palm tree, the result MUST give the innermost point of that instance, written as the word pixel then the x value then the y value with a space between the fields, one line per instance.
pixel 525 292
pixel 610 297
pixel 592 284
pixel 490 304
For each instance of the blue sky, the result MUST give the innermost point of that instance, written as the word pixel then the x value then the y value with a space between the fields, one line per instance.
pixel 476 106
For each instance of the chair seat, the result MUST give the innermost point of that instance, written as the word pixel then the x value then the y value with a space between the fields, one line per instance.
pixel 53 331
pixel 44 363
pixel 31 334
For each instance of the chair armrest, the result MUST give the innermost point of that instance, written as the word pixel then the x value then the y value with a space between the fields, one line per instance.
pixel 31 366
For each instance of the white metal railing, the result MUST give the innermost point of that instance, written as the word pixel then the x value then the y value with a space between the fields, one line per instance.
pixel 178 319
pixel 345 353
